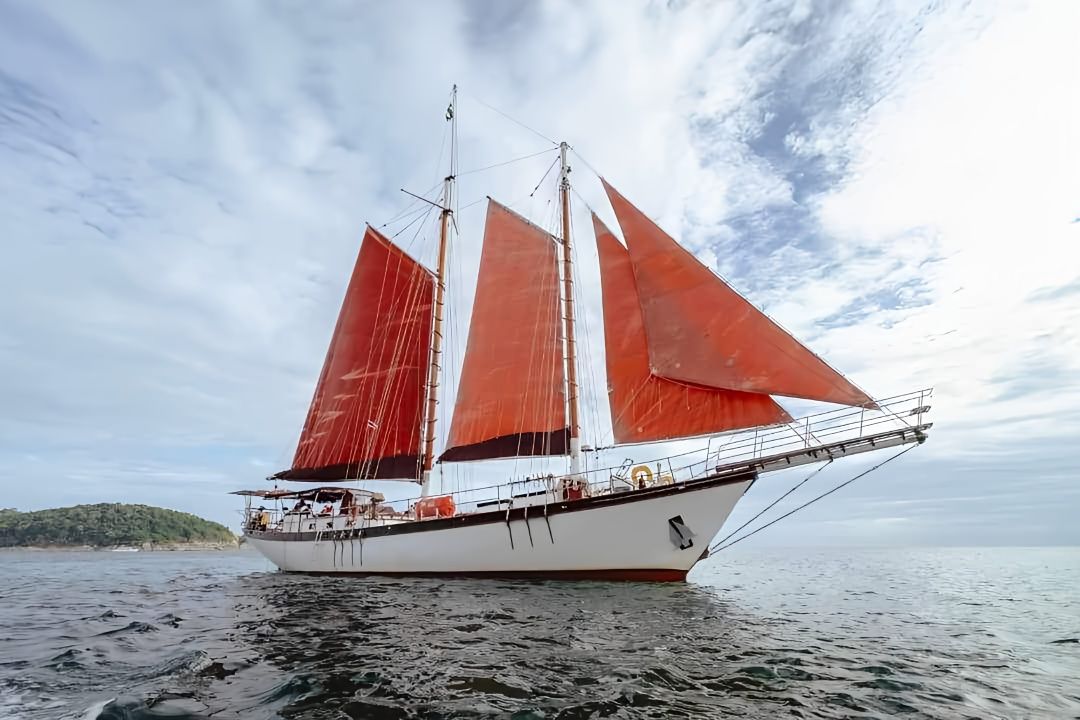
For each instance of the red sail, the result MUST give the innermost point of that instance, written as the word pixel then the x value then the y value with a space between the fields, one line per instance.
pixel 702 332
pixel 365 418
pixel 644 407
pixel 510 399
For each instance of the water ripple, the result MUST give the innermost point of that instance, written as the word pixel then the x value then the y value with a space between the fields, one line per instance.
pixel 836 634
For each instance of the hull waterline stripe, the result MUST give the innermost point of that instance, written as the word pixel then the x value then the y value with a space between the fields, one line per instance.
pixel 616 575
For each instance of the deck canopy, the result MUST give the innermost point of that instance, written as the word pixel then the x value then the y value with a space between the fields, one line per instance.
pixel 319 494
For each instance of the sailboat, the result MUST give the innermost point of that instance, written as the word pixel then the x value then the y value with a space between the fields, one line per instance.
pixel 686 357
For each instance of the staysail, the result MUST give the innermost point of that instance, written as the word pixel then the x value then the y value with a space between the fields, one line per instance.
pixel 364 421
pixel 700 331
pixel 511 393
pixel 645 407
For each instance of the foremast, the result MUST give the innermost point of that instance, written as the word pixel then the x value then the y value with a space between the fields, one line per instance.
pixel 435 364
pixel 568 315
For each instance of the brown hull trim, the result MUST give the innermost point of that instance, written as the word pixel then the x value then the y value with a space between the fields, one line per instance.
pixel 624 575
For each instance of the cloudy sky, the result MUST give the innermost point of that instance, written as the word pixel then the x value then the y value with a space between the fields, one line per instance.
pixel 183 187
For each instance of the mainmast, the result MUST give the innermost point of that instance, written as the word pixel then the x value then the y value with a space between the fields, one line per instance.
pixel 440 291
pixel 568 314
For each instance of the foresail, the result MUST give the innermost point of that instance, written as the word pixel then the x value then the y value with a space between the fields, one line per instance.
pixel 700 331
pixel 511 394
pixel 645 407
pixel 365 418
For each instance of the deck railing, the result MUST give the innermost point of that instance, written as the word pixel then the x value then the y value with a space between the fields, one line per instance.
pixel 719 453
pixel 841 425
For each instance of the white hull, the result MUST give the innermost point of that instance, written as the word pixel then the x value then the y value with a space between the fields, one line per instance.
pixel 626 537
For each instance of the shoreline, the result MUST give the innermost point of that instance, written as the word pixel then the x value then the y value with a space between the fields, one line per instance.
pixel 163 547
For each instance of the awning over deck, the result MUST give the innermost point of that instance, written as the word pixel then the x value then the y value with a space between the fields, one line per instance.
pixel 320 494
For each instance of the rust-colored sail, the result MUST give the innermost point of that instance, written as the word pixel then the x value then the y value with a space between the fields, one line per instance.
pixel 511 396
pixel 644 407
pixel 365 418
pixel 700 331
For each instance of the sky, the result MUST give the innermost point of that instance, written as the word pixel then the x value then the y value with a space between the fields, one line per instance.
pixel 183 188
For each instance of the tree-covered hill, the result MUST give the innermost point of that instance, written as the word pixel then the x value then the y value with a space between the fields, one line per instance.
pixel 107 524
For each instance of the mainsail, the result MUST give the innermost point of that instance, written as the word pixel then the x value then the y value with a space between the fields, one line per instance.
pixel 702 332
pixel 645 407
pixel 364 421
pixel 511 396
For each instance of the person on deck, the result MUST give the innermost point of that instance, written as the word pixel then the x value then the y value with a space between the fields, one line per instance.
pixel 328 509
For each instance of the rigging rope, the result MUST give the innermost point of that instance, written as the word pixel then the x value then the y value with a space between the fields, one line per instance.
pixel 587 164
pixel 544 176
pixel 511 119
pixel 548 226
pixel 408 209
pixel 720 546
pixel 773 504
pixel 419 218
pixel 591 399
pixel 505 162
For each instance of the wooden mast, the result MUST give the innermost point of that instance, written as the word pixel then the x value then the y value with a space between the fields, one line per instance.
pixel 440 291
pixel 568 314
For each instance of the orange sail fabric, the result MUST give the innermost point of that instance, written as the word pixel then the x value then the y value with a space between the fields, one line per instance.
pixel 510 398
pixel 644 407
pixel 365 418
pixel 700 331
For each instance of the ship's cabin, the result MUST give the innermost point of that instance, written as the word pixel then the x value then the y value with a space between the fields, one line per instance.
pixel 313 509
pixel 328 509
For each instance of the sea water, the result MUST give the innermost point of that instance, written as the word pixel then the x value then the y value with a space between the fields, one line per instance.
pixel 829 633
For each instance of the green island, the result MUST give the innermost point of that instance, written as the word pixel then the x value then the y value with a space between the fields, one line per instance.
pixel 110 525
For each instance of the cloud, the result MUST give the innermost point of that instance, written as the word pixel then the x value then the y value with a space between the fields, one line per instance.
pixel 183 190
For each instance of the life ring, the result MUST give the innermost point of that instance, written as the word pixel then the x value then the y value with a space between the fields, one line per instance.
pixel 641 476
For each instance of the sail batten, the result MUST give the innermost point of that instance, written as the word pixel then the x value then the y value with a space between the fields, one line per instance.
pixel 702 332
pixel 364 420
pixel 511 392
pixel 644 406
